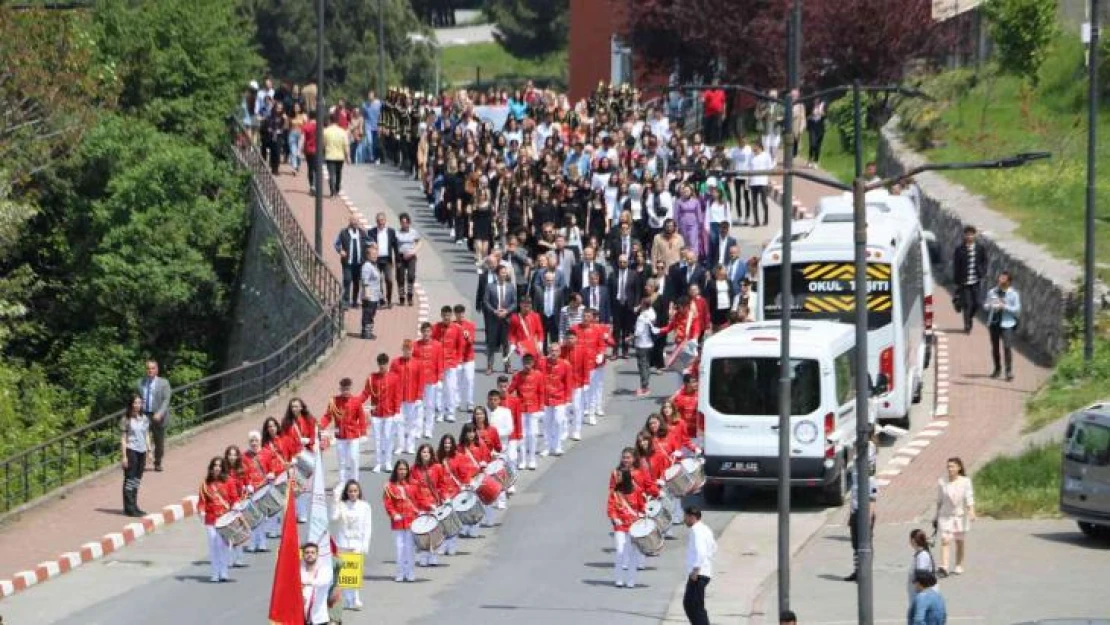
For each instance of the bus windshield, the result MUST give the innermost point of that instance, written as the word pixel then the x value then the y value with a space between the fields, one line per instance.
pixel 826 291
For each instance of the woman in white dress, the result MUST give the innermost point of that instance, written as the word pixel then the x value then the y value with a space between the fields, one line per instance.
pixel 351 521
pixel 955 512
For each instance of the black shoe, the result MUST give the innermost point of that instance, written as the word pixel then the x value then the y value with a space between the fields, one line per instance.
pixel 1009 376
pixel 158 468
pixel 356 305
pixel 942 572
pixel 996 374
pixel 852 577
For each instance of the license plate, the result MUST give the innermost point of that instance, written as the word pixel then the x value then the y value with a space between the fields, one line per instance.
pixel 740 467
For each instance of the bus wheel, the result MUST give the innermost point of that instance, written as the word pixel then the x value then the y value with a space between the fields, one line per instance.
pixel 714 494
pixel 904 421
pixel 832 494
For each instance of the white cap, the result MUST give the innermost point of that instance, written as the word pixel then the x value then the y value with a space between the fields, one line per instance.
pixel 254 85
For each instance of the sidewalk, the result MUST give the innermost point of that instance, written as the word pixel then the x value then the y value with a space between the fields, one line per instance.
pixel 33 541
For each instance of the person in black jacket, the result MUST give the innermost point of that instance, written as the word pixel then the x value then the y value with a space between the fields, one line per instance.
pixel 350 244
pixel 969 264
pixel 625 289
pixel 386 238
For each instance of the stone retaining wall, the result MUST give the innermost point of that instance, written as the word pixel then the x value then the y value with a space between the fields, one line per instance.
pixel 1049 286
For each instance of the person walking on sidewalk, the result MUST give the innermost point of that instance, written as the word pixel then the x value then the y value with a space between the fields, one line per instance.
pixel 386 238
pixel 955 512
pixel 156 393
pixel 644 341
pixel 700 549
pixel 1003 312
pixel 371 290
pixel 853 507
pixel 927 607
pixel 969 267
pixel 349 244
pixel 337 151
pixel 135 430
pixel 761 161
pixel 408 244
pixel 308 148
pixel 922 559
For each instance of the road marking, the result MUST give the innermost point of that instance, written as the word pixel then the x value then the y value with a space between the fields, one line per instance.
pixel 890 472
pixel 899 461
pixel 907 451
pixel 24 579
pixel 942 410
pixel 70 561
pixel 919 442
pixel 937 423
pixel 931 433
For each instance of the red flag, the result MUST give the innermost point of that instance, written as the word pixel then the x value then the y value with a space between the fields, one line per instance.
pixel 286 600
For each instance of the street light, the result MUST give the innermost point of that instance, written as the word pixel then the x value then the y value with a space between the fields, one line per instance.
pixel 1089 230
pixel 437 48
pixel 318 162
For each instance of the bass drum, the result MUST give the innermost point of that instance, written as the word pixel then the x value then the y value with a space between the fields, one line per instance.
pixel 686 477
pixel 659 511
pixel 233 528
pixel 467 506
pixel 427 532
pixel 647 537
pixel 269 500
pixel 252 514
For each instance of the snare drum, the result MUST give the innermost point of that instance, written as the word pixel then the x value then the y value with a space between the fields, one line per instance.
pixel 281 486
pixel 304 465
pixel 448 520
pixel 252 514
pixel 686 477
pixel 647 537
pixel 488 488
pixel 659 510
pixel 468 508
pixel 269 500
pixel 427 532
pixel 233 528
pixel 502 472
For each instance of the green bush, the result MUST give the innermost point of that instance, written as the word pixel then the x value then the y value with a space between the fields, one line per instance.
pixel 922 119
pixel 1073 385
pixel 1021 31
pixel 1025 486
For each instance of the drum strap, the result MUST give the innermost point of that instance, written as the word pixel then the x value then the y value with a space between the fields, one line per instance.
pixel 428 481
pixel 214 496
pixel 447 468
pixel 624 502
pixel 477 465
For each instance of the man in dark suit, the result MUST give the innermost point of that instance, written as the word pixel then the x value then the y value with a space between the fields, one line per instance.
pixel 684 273
pixel 736 268
pixel 626 288
pixel 969 265
pixel 500 302
pixel 487 276
pixel 350 244
pixel 580 275
pixel 619 242
pixel 548 300
pixel 155 391
pixel 718 253
pixel 596 296
pixel 386 238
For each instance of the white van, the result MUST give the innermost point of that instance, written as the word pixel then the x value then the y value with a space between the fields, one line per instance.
pixel 1085 485
pixel 738 398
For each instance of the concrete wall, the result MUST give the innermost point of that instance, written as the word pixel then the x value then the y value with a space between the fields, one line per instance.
pixel 271 307
pixel 1047 284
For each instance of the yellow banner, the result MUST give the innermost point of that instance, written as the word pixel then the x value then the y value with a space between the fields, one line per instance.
pixel 350 575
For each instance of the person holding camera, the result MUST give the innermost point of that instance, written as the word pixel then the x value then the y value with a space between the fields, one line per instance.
pixel 1003 312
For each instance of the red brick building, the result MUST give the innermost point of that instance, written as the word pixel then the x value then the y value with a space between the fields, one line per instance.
pixel 595 53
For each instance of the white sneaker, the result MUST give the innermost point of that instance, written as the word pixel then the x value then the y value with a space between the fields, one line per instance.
pixel 591 420
pixel 501 505
pixel 619 584
pixel 577 436
pixel 410 451
pixel 358 604
pixel 450 419
pixel 439 418
pixel 377 468
pixel 410 578
pixel 512 490
pixel 531 465
pixel 214 579
pixel 399 578
pixel 559 452
pixel 543 454
pixel 600 412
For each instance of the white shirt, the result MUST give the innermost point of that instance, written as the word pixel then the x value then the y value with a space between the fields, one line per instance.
pixel 315 584
pixel 741 158
pixel 722 294
pixel 502 421
pixel 717 212
pixel 643 338
pixel 383 243
pixel 656 221
pixel 700 549
pixel 352 523
pixel 761 161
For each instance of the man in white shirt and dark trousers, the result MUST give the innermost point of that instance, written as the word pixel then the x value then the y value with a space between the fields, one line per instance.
pixel 644 341
pixel 700 549
pixel 761 161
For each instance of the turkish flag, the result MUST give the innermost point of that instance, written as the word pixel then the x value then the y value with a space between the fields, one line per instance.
pixel 286 600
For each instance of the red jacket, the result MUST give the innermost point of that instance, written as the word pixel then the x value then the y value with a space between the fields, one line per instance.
pixel 410 378
pixel 290 444
pixel 384 392
pixel 215 499
pixel 467 332
pixel 687 406
pixel 529 384
pixel 426 481
pixel 430 354
pixel 679 437
pixel 448 484
pixel 274 456
pixel 400 498
pixel 641 477
pixel 525 331
pixel 490 439
pixel 266 464
pixel 349 417
pixel 663 444
pixel 449 336
pixel 579 359
pixel 703 314
pixel 623 510
pixel 658 461
pixel 558 383
pixel 513 403
pixel 679 322
pixel 465 466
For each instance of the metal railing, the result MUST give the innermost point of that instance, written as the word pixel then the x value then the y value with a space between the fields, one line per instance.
pixel 70 456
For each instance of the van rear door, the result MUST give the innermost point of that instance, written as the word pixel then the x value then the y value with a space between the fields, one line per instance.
pixel 1087 466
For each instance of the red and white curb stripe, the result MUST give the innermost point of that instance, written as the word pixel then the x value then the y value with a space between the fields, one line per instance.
pixel 95 550
pixel 799 211
pixel 904 456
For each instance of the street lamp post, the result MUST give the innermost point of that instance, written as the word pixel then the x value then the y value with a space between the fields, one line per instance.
pixel 318 161
pixel 1092 156
pixel 381 47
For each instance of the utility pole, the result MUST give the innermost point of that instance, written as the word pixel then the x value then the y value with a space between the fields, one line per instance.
pixel 785 370
pixel 381 47
pixel 318 161
pixel 1092 159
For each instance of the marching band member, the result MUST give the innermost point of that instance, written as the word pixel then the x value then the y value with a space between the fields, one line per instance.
pixel 652 459
pixel 425 476
pixel 212 503
pixel 557 390
pixel 449 486
pixel 579 360
pixel 466 357
pixel 641 472
pixel 299 429
pixel 686 323
pixel 626 504
pixel 347 412
pixel 526 330
pixel 488 436
pixel 275 456
pixel 410 381
pixel 430 354
pixel 663 439
pixel 351 517
pixel 241 483
pixel 263 469
pixel 685 403
pixel 528 382
pixel 399 498
pixel 501 419
pixel 656 426
pixel 468 463
pixel 516 436
pixel 449 334
pixel 384 391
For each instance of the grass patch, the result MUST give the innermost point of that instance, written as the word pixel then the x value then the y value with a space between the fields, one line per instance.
pixel 1026 486
pixel 492 65
pixel 1072 386
pixel 836 161
pixel 1001 116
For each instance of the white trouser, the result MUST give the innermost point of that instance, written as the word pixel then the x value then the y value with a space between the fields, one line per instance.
pixel 531 429
pixel 624 558
pixel 272 526
pixel 466 384
pixel 449 393
pixel 428 421
pixel 597 388
pixel 406 553
pixel 410 430
pixel 236 556
pixel 578 410
pixel 346 452
pixel 676 513
pixel 219 553
pixel 513 453
pixel 384 437
pixel 449 546
pixel 258 536
pixel 426 558
pixel 554 427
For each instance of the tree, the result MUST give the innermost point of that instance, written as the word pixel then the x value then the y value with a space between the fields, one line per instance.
pixel 1022 31
pixel 530 28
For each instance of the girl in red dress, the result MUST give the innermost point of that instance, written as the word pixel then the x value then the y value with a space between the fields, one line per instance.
pixel 213 502
pixel 468 463
pixel 399 497
pixel 425 476
pixel 626 505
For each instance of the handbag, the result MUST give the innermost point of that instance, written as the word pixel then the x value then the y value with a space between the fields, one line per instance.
pixel 958 300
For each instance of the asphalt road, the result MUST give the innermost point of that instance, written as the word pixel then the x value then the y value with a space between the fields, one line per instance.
pixel 549 561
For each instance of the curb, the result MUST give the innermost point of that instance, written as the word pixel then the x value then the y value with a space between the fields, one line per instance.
pixel 800 212
pixel 95 550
